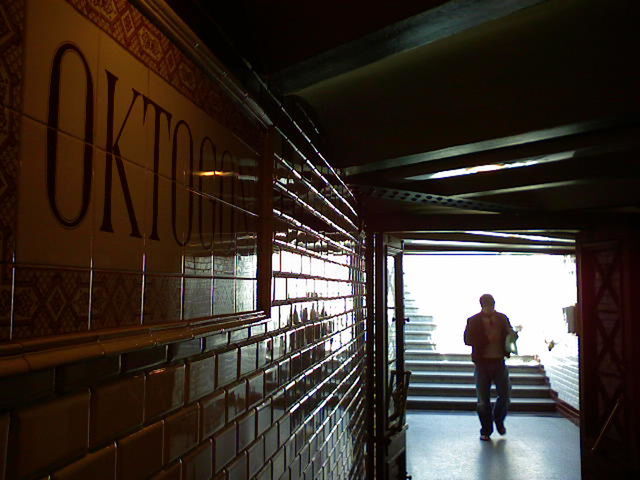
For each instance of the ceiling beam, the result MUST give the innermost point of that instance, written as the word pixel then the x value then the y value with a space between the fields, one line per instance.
pixel 486 238
pixel 435 24
pixel 412 197
pixel 495 144
pixel 493 221
pixel 549 151
pixel 412 248
pixel 578 169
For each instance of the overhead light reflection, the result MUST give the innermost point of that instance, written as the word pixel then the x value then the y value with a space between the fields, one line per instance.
pixel 212 173
pixel 472 170
pixel 535 238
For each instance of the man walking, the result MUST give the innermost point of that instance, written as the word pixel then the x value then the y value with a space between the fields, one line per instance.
pixel 487 332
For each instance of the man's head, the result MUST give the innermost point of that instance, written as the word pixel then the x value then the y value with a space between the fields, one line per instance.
pixel 487 303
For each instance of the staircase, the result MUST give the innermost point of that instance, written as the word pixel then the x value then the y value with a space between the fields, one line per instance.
pixel 446 382
pixel 418 329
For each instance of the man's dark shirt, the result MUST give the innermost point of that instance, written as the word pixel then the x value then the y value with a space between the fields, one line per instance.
pixel 474 334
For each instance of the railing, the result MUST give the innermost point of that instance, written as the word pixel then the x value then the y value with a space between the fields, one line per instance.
pixel 399 395
pixel 606 425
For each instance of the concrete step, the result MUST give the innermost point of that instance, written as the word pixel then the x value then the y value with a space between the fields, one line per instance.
pixel 412 344
pixel 417 317
pixel 419 327
pixel 518 359
pixel 516 378
pixel 415 361
pixel 418 337
pixel 467 390
pixel 469 403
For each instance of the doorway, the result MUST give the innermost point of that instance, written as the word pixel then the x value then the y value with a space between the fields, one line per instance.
pixel 538 292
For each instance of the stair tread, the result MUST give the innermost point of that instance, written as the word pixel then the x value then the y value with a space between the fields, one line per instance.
pixel 470 374
pixel 461 386
pixel 456 363
pixel 439 399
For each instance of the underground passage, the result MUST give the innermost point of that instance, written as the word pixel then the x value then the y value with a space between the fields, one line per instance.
pixel 319 240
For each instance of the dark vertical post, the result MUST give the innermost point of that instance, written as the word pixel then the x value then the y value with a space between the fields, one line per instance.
pixel 380 354
pixel 400 320
pixel 265 223
pixel 586 357
pixel 608 265
pixel 370 353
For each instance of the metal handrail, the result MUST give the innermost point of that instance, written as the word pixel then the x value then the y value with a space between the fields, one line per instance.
pixel 606 425
pixel 400 398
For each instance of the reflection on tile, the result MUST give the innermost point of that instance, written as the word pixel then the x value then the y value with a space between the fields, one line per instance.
pixel 50 302
pixel 116 409
pixel 162 299
pixel 255 391
pixel 201 378
pixel 197 262
pixel 238 469
pixel 264 417
pixel 120 194
pixel 163 253
pixel 180 432
pixel 248 358
pixel 223 296
pixel 271 380
pixel 236 400
pixel 100 465
pixel 198 297
pixel 116 299
pixel 245 295
pixel 213 413
pixel 271 441
pixel 68 217
pixel 65 419
pixel 227 367
pixel 140 454
pixel 198 465
pixel 256 457
pixel 246 429
pixel 174 472
pixel 164 391
pixel 224 447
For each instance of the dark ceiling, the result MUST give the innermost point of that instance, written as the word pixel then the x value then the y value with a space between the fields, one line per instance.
pixel 450 116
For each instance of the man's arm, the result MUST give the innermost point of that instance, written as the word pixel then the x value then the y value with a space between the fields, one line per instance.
pixel 509 327
pixel 468 340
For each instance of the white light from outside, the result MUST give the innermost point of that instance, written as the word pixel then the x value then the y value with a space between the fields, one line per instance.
pixel 473 170
pixel 535 238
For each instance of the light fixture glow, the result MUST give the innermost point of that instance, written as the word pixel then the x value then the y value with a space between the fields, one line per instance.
pixel 212 173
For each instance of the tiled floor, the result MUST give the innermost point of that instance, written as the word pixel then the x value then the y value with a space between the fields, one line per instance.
pixel 445 446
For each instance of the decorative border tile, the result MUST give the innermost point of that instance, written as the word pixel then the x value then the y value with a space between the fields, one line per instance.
pixel 197 297
pixel 12 14
pixel 162 299
pixel 9 168
pixel 50 302
pixel 126 25
pixel 116 299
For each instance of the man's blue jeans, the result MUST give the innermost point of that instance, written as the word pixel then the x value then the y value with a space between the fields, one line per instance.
pixel 487 372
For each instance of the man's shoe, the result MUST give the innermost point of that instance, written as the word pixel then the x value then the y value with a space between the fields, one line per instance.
pixel 500 428
pixel 485 438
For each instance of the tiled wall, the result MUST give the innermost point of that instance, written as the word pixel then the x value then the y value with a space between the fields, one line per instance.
pixel 129 177
pixel 235 397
